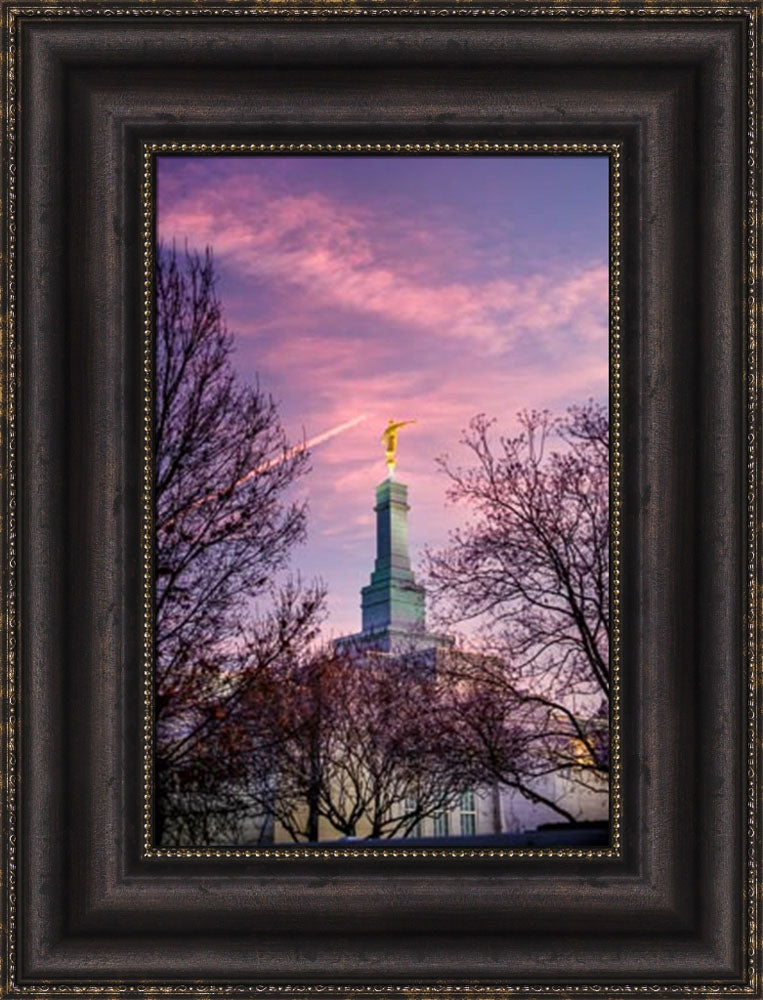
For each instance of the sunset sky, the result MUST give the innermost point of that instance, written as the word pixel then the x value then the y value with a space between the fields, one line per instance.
pixel 427 288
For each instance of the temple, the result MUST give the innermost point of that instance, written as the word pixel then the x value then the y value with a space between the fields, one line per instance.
pixel 393 611
pixel 394 636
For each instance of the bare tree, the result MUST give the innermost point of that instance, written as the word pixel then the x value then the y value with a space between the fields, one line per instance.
pixel 362 748
pixel 224 531
pixel 531 566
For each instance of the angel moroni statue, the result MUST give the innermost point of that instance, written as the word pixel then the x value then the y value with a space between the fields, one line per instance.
pixel 389 437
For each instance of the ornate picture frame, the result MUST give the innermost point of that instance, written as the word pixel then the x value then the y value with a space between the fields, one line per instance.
pixel 91 95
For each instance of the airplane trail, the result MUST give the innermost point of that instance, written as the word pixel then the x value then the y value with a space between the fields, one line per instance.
pixel 318 439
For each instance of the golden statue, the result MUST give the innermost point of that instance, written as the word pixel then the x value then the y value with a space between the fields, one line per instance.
pixel 389 437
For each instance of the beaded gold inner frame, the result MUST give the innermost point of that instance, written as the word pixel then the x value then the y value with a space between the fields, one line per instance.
pixel 20 974
pixel 613 152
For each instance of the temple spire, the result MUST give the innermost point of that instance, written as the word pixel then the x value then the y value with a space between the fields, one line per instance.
pixel 392 599
pixel 392 604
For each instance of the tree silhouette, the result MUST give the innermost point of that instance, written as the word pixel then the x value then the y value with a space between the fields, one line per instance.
pixel 225 529
pixel 361 743
pixel 531 565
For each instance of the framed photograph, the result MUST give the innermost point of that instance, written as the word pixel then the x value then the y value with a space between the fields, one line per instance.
pixel 467 704
pixel 380 494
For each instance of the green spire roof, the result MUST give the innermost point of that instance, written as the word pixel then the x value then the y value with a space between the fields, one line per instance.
pixel 393 599
pixel 393 603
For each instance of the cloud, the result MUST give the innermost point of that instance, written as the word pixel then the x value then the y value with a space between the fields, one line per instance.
pixel 322 253
pixel 393 309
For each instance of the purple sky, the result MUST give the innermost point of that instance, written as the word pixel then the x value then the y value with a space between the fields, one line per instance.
pixel 405 287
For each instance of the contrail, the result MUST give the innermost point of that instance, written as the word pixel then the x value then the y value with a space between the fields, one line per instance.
pixel 318 439
pixel 271 464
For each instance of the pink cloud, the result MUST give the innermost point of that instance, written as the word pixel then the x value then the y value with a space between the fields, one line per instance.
pixel 342 312
pixel 331 255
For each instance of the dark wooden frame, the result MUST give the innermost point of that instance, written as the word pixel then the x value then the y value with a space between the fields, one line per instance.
pixel 84 909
